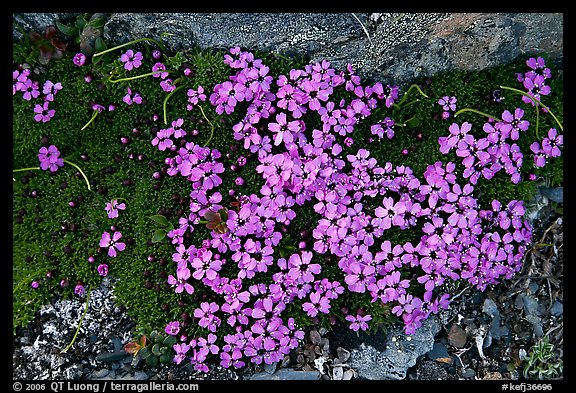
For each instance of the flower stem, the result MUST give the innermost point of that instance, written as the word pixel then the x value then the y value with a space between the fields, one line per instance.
pixel 408 93
pixel 166 100
pixel 138 76
pixel 478 112
pixel 36 273
pixel 77 167
pixel 209 122
pixel 133 42
pixel 79 323
pixel 535 101
pixel 25 169
pixel 91 120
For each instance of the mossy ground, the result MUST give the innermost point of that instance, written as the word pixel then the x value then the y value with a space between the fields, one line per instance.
pixel 50 235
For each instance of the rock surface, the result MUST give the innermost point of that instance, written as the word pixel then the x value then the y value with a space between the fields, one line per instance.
pixel 394 48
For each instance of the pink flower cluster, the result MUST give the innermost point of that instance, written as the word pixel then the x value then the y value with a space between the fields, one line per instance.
pixel 355 199
pixel 30 89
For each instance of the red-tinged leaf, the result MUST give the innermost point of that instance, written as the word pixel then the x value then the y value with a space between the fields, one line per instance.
pixel 132 348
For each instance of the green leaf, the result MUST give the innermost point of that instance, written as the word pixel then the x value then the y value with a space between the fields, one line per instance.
pixel 100 46
pixel 156 349
pixel 152 361
pixel 170 341
pixel 165 358
pixel 413 122
pixel 67 30
pixel 80 23
pixel 158 339
pixel 145 352
pixel 159 234
pixel 160 220
pixel 97 24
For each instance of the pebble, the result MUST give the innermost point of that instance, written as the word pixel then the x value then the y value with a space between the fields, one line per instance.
pixel 111 356
pixel 100 373
pixel 469 373
pixel 490 308
pixel 439 353
pixel 555 194
pixel 557 308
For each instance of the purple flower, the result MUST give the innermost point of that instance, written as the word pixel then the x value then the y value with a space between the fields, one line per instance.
pixel 79 290
pixel 159 67
pixel 539 155
pixel 102 269
pixel 390 213
pixel 283 129
pixel 43 113
pixel 448 103
pixel 131 59
pixel 111 241
pixel 113 206
pixel 459 138
pixel 79 59
pixel 317 303
pixel 29 89
pixel 50 89
pixel 536 87
pixel 512 124
pixel 130 98
pixel 50 158
pixel 358 322
pixel 181 280
pixel 172 328
pixel 206 316
pixel 301 267
pixel 552 142
pixel 195 96
pixel 537 67
pixel 206 266
pixel 384 127
pixel 181 350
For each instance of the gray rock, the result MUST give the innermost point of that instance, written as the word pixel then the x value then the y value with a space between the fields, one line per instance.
pixel 400 352
pixel 270 368
pixel 557 308
pixel 490 308
pixel 498 331
pixel 37 22
pixel 438 351
pixel 100 373
pixel 285 374
pixel 531 306
pixel 469 373
pixel 393 48
pixel 111 356
pixel 555 194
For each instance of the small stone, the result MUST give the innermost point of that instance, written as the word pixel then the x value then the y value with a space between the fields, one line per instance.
pixel 140 376
pixel 315 337
pixel 439 353
pixel 469 373
pixel 101 373
pixel 343 354
pixel 111 356
pixel 269 368
pixel 555 194
pixel 557 309
pixel 530 305
pixel 493 376
pixel 457 336
pixel 490 308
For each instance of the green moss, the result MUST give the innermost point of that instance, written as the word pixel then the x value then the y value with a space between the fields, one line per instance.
pixel 58 238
